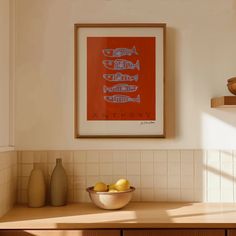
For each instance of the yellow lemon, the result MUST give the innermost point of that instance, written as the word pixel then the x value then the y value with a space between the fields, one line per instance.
pixel 122 185
pixel 113 191
pixel 111 186
pixel 100 187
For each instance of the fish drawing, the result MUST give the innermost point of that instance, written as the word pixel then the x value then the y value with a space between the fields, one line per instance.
pixel 120 88
pixel 120 77
pixel 119 52
pixel 121 64
pixel 121 99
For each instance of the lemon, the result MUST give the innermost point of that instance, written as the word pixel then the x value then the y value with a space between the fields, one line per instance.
pixel 111 187
pixel 113 191
pixel 100 187
pixel 122 185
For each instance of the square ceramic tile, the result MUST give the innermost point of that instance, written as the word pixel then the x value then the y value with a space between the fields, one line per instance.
pixel 133 156
pixel 69 168
pixel 24 182
pixel 199 157
pixel 136 195
pixel 200 174
pixel 119 168
pixel 67 156
pixel 227 194
pixel 53 155
pixel 79 169
pixel 107 179
pixel 119 156
pixel 213 195
pixel 27 157
pixel 23 196
pixel 173 156
pixel 115 178
pixel 147 156
pixel 133 168
pixel 40 157
pixel 226 183
pixel 213 156
pixel 213 180
pixel 147 181
pixel 187 195
pixel 226 156
pixel 186 156
pixel 92 169
pixel 147 168
pixel 92 180
pixel 187 181
pixel 227 169
pixel 161 181
pixel 70 195
pixel 187 168
pixel 105 156
pixel 160 194
pixel 80 195
pixel 50 168
pixel 105 168
pixel 173 195
pixel 26 169
pixel 199 195
pixel 134 180
pixel 70 181
pixel 92 157
pixel 173 181
pixel 147 194
pixel 80 157
pixel 79 182
pixel 160 168
pixel 160 156
pixel 174 168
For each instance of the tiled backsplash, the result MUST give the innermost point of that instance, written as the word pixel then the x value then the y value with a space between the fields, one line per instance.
pixel 163 175
pixel 8 180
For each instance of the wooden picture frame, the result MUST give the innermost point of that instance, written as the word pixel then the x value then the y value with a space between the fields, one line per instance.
pixel 119 80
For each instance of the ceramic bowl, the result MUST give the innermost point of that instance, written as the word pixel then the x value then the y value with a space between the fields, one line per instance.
pixel 232 85
pixel 110 200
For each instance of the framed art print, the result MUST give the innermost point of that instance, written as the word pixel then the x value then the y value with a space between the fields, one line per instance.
pixel 119 80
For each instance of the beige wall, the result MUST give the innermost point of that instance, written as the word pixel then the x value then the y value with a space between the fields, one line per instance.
pixel 4 72
pixel 201 51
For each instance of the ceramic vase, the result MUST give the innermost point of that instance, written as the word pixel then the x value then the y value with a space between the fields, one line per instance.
pixel 36 187
pixel 58 185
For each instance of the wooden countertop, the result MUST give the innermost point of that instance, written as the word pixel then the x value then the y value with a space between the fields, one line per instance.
pixel 135 215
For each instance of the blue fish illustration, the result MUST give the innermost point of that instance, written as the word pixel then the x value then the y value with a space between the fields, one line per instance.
pixel 119 52
pixel 120 77
pixel 121 99
pixel 120 88
pixel 121 64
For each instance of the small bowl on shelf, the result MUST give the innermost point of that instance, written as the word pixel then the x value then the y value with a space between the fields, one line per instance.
pixel 232 85
pixel 110 200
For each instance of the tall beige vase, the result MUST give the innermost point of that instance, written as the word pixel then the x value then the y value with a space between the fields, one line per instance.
pixel 36 187
pixel 58 185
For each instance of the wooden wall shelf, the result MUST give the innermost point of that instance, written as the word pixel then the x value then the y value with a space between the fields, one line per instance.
pixel 224 102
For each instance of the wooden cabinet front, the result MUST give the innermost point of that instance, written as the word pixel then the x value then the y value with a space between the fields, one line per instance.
pixel 60 232
pixel 231 232
pixel 175 232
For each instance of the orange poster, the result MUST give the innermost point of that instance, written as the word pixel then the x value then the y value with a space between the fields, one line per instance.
pixel 121 78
